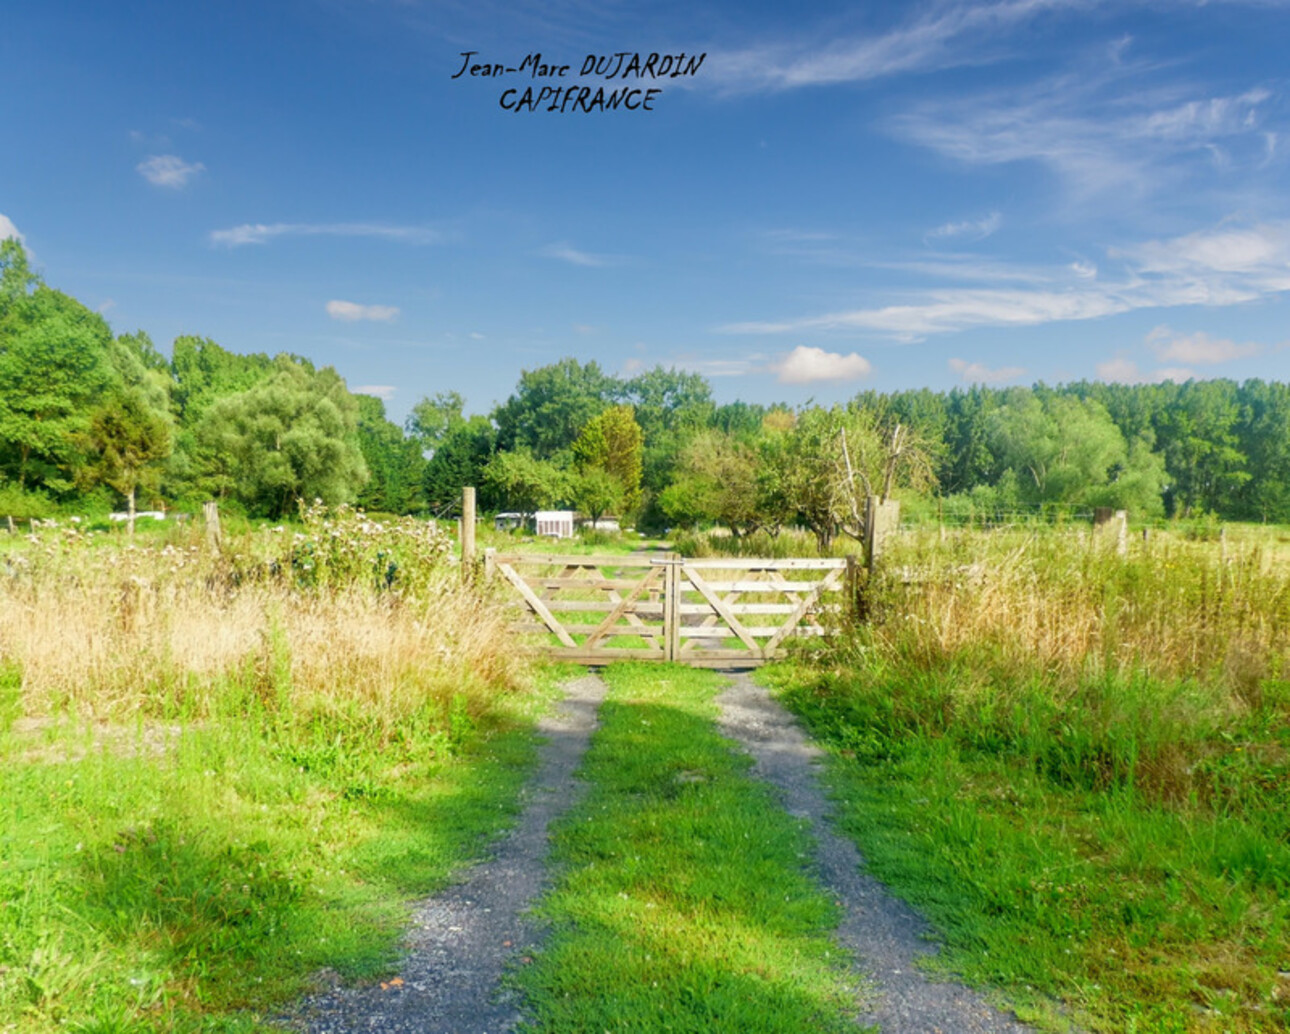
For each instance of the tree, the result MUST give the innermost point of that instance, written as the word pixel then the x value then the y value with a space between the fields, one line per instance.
pixel 718 480
pixel 128 438
pixel 1198 432
pixel 433 419
pixel 291 437
pixel 611 441
pixel 54 367
pixel 460 460
pixel 596 492
pixel 1064 449
pixel 831 459
pixel 524 483
pixel 394 463
pixel 551 405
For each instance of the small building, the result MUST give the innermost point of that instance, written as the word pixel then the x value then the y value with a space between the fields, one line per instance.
pixel 507 521
pixel 555 523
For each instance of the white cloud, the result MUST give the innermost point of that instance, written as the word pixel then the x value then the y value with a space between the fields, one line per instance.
pixel 1100 131
pixel 972 229
pixel 948 36
pixel 262 233
pixel 805 365
pixel 168 170
pixel 1217 267
pixel 350 312
pixel 381 391
pixel 1126 371
pixel 979 373
pixel 7 230
pixel 1198 348
pixel 578 258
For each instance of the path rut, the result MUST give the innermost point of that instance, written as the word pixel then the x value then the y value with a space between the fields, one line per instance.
pixel 461 940
pixel 886 935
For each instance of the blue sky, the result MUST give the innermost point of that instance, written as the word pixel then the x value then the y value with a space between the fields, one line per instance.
pixel 844 196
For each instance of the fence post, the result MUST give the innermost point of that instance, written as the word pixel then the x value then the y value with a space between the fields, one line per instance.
pixel 490 563
pixel 210 514
pixel 12 529
pixel 672 608
pixel 467 532
pixel 879 518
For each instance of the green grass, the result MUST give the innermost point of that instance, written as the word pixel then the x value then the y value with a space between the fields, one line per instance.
pixel 155 879
pixel 1047 868
pixel 683 904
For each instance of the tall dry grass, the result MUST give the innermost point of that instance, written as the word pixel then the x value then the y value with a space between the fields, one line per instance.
pixel 1166 669
pixel 1074 607
pixel 343 619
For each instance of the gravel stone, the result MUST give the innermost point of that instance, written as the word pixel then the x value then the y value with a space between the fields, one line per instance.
pixel 886 935
pixel 463 939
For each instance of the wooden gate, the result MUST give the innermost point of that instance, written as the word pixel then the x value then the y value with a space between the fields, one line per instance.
pixel 715 613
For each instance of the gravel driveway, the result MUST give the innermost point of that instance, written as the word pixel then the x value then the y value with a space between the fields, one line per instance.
pixel 461 940
pixel 885 934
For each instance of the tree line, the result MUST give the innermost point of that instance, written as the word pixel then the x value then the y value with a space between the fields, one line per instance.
pixel 89 418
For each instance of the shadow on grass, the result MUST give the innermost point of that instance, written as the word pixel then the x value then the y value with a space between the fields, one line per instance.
pixel 685 903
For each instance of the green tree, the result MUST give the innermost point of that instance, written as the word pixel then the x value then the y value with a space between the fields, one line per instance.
pixel 292 436
pixel 718 480
pixel 1198 432
pixel 611 441
pixel 1265 439
pixel 551 405
pixel 1065 449
pixel 460 460
pixel 394 463
pixel 54 367
pixel 128 439
pixel 524 483
pixel 596 492
pixel 433 419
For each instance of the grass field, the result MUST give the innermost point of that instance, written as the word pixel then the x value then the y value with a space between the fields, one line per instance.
pixel 1078 765
pixel 682 904
pixel 224 774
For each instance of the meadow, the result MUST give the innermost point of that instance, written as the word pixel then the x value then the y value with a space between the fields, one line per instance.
pixel 225 772
pixel 1077 764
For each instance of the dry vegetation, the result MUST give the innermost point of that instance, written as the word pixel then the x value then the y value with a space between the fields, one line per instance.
pixel 344 617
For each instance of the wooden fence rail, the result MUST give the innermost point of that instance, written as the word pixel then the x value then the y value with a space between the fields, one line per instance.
pixel 593 609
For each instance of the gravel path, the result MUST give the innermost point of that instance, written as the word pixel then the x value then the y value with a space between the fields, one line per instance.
pixel 462 940
pixel 885 934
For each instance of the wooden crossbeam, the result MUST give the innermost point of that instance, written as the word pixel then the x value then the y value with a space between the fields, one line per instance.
pixel 539 608
pixel 831 582
pixel 621 609
pixel 720 607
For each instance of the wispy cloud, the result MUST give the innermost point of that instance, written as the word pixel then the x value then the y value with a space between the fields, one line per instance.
pixel 566 253
pixel 979 373
pixel 168 170
pixel 806 365
pixel 381 391
pixel 262 233
pixel 1126 371
pixel 1199 348
pixel 7 230
pixel 949 35
pixel 970 229
pixel 351 312
pixel 1097 131
pixel 1224 266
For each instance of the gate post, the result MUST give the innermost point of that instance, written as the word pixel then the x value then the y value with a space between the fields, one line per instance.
pixel 672 608
pixel 467 533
